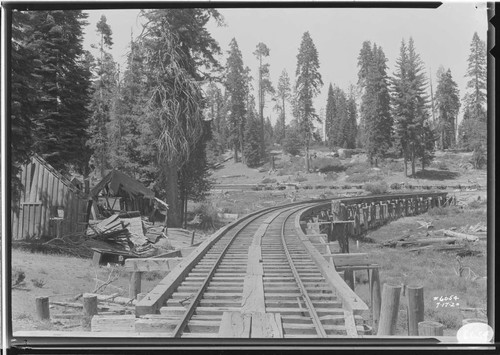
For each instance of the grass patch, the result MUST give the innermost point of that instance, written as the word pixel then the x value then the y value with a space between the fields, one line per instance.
pixel 363 177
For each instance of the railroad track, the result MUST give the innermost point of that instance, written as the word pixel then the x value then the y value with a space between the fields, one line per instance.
pixel 260 277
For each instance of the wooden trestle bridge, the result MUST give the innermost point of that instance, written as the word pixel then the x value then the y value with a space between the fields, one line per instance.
pixel 280 272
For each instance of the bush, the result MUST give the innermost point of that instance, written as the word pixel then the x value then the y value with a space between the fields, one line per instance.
pixel 363 177
pixel 300 179
pixel 395 186
pixel 17 276
pixel 331 176
pixel 376 188
pixel 208 214
pixel 38 282
pixel 268 181
pixel 357 168
pixel 326 165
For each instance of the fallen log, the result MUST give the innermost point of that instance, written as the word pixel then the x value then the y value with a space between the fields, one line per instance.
pixel 456 248
pixel 393 242
pixel 427 241
pixel 114 299
pixel 462 236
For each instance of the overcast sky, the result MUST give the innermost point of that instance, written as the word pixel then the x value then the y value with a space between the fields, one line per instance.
pixel 442 37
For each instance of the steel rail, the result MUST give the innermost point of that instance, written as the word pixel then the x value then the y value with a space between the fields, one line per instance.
pixel 192 307
pixel 312 311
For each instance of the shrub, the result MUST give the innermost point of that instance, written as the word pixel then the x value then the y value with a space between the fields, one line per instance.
pixel 208 214
pixel 326 165
pixel 268 181
pixel 38 282
pixel 17 277
pixel 331 176
pixel 395 186
pixel 357 168
pixel 438 211
pixel 376 188
pixel 300 179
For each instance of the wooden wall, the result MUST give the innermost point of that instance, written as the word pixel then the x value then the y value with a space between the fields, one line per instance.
pixel 46 190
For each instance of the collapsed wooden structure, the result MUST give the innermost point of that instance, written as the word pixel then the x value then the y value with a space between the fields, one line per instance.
pixel 120 192
pixel 49 204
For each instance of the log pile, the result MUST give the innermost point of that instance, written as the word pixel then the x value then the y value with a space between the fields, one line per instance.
pixel 440 240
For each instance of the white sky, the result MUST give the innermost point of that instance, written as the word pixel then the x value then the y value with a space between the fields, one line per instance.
pixel 442 37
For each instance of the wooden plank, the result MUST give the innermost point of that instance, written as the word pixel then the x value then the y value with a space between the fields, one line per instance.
pixel 266 325
pixel 47 203
pixel 150 264
pixel 353 259
pixel 253 295
pixel 235 325
pixel 119 323
pixel 350 324
pixel 41 209
pixel 33 196
pixel 254 263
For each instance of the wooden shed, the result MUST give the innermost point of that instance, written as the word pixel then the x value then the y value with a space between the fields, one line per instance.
pixel 49 204
pixel 120 192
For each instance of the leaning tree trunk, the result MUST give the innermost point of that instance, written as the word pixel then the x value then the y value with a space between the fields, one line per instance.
pixel 172 191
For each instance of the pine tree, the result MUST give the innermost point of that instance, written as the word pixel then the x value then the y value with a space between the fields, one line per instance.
pixel 236 89
pixel 330 114
pixel 135 155
pixel 412 129
pixel 351 128
pixel 265 86
pixel 472 131
pixel 180 52
pixel 308 85
pixel 283 93
pixel 102 139
pixel 376 121
pixel 252 140
pixel 447 106
pixel 215 114
pixel 60 127
pixel 24 97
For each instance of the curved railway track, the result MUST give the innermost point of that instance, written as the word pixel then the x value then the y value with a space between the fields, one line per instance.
pixel 258 277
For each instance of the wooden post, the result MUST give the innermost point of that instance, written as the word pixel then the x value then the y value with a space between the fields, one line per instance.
pixel 349 278
pixel 192 238
pixel 134 286
pixel 42 308
pixel 430 328
pixel 389 309
pixel 89 310
pixel 375 297
pixel 415 308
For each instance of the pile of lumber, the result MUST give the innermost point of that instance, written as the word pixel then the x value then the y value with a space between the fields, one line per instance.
pixel 121 230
